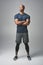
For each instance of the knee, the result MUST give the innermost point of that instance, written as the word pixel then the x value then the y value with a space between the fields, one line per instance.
pixel 17 45
pixel 26 44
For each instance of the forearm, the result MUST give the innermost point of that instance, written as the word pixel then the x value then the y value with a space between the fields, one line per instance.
pixel 19 22
pixel 26 23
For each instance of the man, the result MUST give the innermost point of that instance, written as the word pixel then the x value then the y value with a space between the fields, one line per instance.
pixel 22 20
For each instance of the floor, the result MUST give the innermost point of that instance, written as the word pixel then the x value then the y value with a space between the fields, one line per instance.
pixel 7 59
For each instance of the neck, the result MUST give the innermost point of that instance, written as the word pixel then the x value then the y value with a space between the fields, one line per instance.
pixel 22 12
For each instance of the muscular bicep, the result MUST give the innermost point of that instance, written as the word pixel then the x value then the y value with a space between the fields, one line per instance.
pixel 28 21
pixel 15 20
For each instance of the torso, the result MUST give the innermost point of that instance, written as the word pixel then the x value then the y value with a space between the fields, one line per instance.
pixel 21 28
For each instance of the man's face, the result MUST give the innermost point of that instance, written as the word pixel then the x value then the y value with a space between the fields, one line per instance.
pixel 21 8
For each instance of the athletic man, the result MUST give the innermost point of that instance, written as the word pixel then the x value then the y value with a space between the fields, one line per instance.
pixel 22 20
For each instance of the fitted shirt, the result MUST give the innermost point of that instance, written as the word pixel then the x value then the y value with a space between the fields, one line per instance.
pixel 21 17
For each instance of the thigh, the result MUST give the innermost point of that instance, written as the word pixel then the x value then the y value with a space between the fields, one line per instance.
pixel 25 38
pixel 18 37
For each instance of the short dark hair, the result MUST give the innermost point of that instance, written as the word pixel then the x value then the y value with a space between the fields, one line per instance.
pixel 23 6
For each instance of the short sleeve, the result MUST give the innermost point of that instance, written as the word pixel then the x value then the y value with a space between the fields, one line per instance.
pixel 28 16
pixel 15 17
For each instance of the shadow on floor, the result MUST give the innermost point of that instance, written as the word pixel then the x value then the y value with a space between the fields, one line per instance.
pixel 23 56
pixel 35 54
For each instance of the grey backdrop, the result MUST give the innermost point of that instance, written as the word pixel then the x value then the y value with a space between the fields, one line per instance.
pixel 8 8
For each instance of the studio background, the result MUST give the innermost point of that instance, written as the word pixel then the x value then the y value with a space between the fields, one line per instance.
pixel 8 8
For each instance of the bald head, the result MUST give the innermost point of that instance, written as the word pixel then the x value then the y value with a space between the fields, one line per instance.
pixel 21 7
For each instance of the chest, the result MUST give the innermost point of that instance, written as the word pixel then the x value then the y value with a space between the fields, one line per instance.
pixel 22 17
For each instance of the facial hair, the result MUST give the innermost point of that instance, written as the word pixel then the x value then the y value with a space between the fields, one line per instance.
pixel 21 10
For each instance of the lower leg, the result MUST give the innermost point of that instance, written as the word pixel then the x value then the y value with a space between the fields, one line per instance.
pixel 17 48
pixel 27 48
pixel 16 51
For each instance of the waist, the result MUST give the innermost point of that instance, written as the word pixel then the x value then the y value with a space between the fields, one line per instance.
pixel 21 28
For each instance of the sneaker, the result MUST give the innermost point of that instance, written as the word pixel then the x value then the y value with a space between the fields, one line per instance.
pixel 15 58
pixel 29 58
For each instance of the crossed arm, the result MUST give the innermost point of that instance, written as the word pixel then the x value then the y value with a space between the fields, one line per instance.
pixel 25 23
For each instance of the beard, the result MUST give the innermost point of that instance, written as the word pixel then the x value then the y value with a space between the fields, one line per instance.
pixel 21 10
